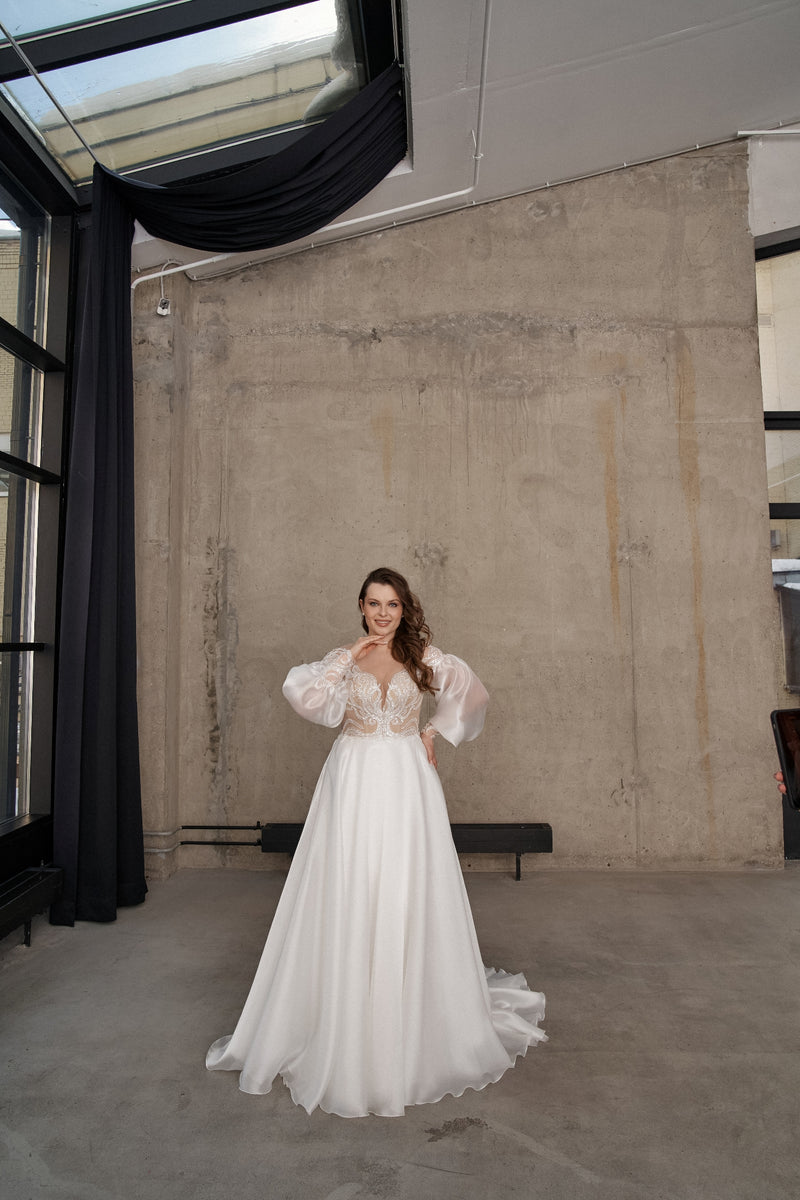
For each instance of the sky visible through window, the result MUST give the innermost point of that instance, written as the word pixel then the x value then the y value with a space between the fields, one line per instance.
pixel 21 18
pixel 236 43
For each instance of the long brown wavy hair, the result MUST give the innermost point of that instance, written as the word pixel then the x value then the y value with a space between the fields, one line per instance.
pixel 412 635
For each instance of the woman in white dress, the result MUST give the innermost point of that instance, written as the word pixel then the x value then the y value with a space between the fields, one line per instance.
pixel 371 994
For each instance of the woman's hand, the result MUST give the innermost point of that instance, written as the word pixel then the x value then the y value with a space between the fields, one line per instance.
pixel 363 645
pixel 427 741
pixel 781 785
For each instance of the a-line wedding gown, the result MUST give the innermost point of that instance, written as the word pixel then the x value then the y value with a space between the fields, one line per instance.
pixel 371 994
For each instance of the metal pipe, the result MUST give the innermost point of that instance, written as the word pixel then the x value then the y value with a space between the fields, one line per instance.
pixel 257 825
pixel 395 31
pixel 478 134
pixel 217 842
pixel 32 69
pixel 176 270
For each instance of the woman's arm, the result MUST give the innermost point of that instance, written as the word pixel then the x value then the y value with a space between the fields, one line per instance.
pixel 318 690
pixel 461 698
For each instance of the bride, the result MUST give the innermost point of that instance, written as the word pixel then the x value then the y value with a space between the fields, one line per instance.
pixel 371 994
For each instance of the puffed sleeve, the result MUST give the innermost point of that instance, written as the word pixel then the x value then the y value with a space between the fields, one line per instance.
pixel 461 698
pixel 318 690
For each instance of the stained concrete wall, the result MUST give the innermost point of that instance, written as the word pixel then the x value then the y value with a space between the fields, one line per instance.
pixel 546 412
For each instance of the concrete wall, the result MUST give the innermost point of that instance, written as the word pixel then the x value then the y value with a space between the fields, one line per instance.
pixel 545 411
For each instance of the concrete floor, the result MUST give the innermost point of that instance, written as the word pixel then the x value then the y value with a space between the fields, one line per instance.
pixel 673 1068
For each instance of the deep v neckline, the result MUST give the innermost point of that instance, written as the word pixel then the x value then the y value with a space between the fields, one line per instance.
pixel 384 692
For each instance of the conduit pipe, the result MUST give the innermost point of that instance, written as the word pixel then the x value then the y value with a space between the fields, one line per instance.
pixel 176 270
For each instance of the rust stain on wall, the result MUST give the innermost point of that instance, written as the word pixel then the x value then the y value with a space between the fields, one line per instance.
pixel 383 427
pixel 607 436
pixel 689 457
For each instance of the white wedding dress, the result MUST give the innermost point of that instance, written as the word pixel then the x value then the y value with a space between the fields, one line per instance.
pixel 371 994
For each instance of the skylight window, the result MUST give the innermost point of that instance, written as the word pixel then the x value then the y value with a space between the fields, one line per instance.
pixel 167 100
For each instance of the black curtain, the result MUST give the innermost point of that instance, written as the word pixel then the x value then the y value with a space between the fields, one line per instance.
pixel 97 821
pixel 293 193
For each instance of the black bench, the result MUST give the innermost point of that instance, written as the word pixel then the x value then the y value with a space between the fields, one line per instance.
pixel 280 837
pixel 26 894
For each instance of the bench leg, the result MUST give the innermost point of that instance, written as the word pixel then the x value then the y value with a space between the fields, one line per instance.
pixel 27 937
pixel 519 867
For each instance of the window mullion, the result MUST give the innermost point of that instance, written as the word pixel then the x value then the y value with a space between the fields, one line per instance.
pixel 127 31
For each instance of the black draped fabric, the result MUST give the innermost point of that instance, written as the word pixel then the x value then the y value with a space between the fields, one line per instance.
pixel 97 823
pixel 293 193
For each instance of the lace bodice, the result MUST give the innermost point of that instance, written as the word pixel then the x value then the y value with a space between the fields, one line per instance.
pixel 337 690
pixel 369 713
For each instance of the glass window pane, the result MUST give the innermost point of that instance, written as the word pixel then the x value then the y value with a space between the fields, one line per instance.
pixel 783 465
pixel 34 105
pixel 20 408
pixel 778 296
pixel 18 516
pixel 21 17
pixel 785 543
pixel 784 536
pixel 219 87
pixel 35 255
pixel 16 679
pixel 24 243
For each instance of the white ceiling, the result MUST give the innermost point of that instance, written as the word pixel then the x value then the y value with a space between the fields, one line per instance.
pixel 508 96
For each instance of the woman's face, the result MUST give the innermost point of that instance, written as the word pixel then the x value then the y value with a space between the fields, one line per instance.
pixel 382 609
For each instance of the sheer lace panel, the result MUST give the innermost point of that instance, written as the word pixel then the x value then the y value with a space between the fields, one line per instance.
pixel 369 714
pixel 334 667
pixel 433 656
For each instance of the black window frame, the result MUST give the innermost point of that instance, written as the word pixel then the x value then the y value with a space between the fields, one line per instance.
pixel 783 418
pixel 774 421
pixel 26 839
